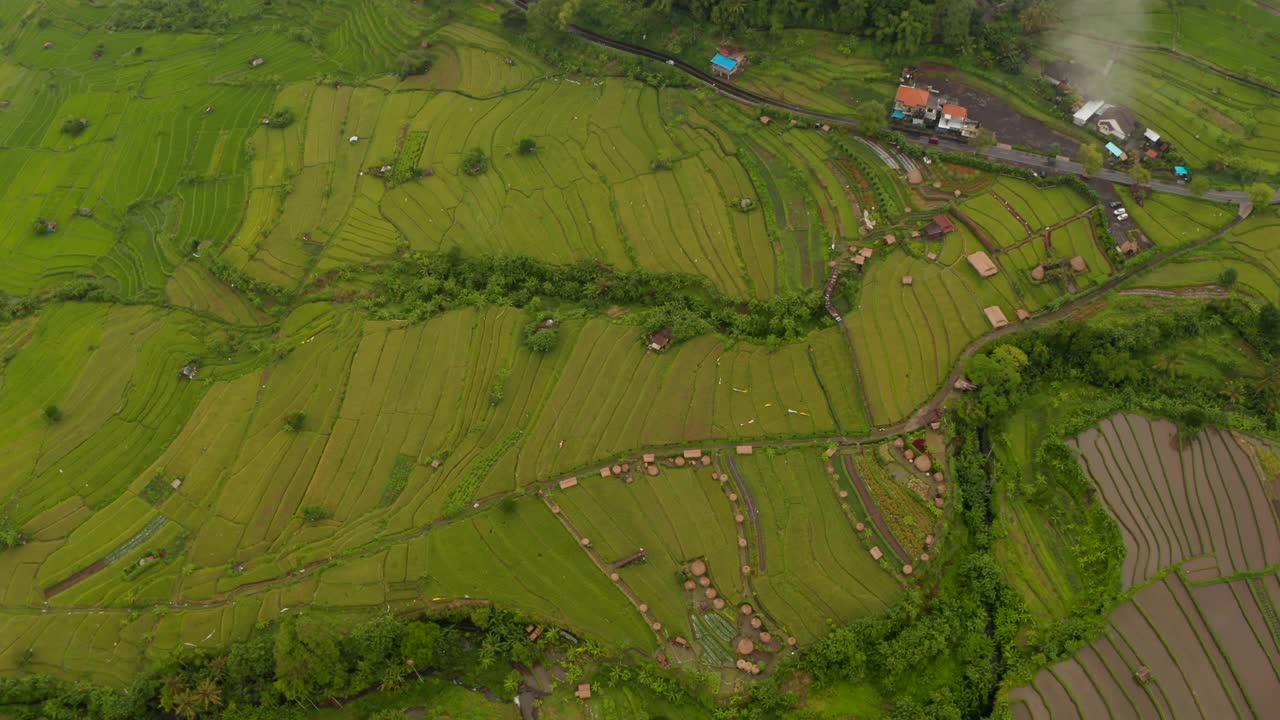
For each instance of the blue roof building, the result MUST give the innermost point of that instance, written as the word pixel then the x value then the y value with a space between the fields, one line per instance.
pixel 728 62
pixel 1115 150
pixel 724 63
pixel 1180 171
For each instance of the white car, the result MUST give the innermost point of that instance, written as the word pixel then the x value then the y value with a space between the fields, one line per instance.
pixel 1121 211
pixel 1123 217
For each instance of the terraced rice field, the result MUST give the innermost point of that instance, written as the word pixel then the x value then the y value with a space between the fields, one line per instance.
pixel 1172 220
pixel 907 338
pixel 677 516
pixel 1209 650
pixel 816 567
pixel 1202 503
pixel 589 191
pixel 1250 249
pixel 374 395
pixel 909 518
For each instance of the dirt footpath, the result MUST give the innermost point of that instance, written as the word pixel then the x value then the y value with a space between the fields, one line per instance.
pixel 1009 125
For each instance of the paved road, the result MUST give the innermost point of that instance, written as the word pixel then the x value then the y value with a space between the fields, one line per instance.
pixel 1004 155
pixel 1070 167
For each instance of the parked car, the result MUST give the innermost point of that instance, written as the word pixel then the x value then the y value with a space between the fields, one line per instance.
pixel 1122 217
pixel 1115 204
pixel 1120 211
pixel 933 140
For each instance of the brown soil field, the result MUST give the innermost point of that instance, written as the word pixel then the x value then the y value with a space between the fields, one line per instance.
pixel 1178 501
pixel 995 113
pixel 1253 648
pixel 1209 649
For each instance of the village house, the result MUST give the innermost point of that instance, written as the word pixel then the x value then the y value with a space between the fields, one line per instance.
pixel 659 340
pixel 955 118
pixel 1088 110
pixel 914 105
pixel 728 61
pixel 921 108
pixel 937 229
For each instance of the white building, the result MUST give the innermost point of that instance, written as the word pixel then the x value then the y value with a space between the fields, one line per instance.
pixel 1088 110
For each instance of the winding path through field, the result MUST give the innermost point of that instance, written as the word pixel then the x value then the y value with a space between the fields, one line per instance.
pixel 753 510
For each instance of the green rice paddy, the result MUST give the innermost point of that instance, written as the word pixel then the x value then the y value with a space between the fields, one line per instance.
pixel 166 511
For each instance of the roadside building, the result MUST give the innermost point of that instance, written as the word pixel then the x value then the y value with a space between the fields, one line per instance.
pixel 914 105
pixel 955 118
pixel 1087 111
pixel 728 62
pixel 923 108
pixel 1116 152
pixel 1111 128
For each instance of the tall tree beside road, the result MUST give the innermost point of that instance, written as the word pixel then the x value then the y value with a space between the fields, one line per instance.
pixel 871 115
pixel 1091 158
pixel 1260 194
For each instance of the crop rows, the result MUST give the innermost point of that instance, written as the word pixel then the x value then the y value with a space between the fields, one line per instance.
pixel 907 338
pixel 1206 649
pixel 908 518
pixel 1248 249
pixel 1170 220
pixel 818 568
pixel 1175 502
pixel 676 516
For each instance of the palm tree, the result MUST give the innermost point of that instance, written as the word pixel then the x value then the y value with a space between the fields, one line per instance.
pixel 207 694
pixel 184 704
pixel 392 680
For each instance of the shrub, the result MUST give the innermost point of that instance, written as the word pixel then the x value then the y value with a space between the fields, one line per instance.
pixel 295 420
pixel 315 513
pixel 543 341
pixel 1228 277
pixel 156 490
pixel 414 62
pixel 281 119
pixel 475 163
pixel 53 414
pixel 10 534
pixel 528 146
pixel 74 126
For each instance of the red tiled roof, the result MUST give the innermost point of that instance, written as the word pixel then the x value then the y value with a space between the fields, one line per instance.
pixel 912 97
pixel 944 223
pixel 955 111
